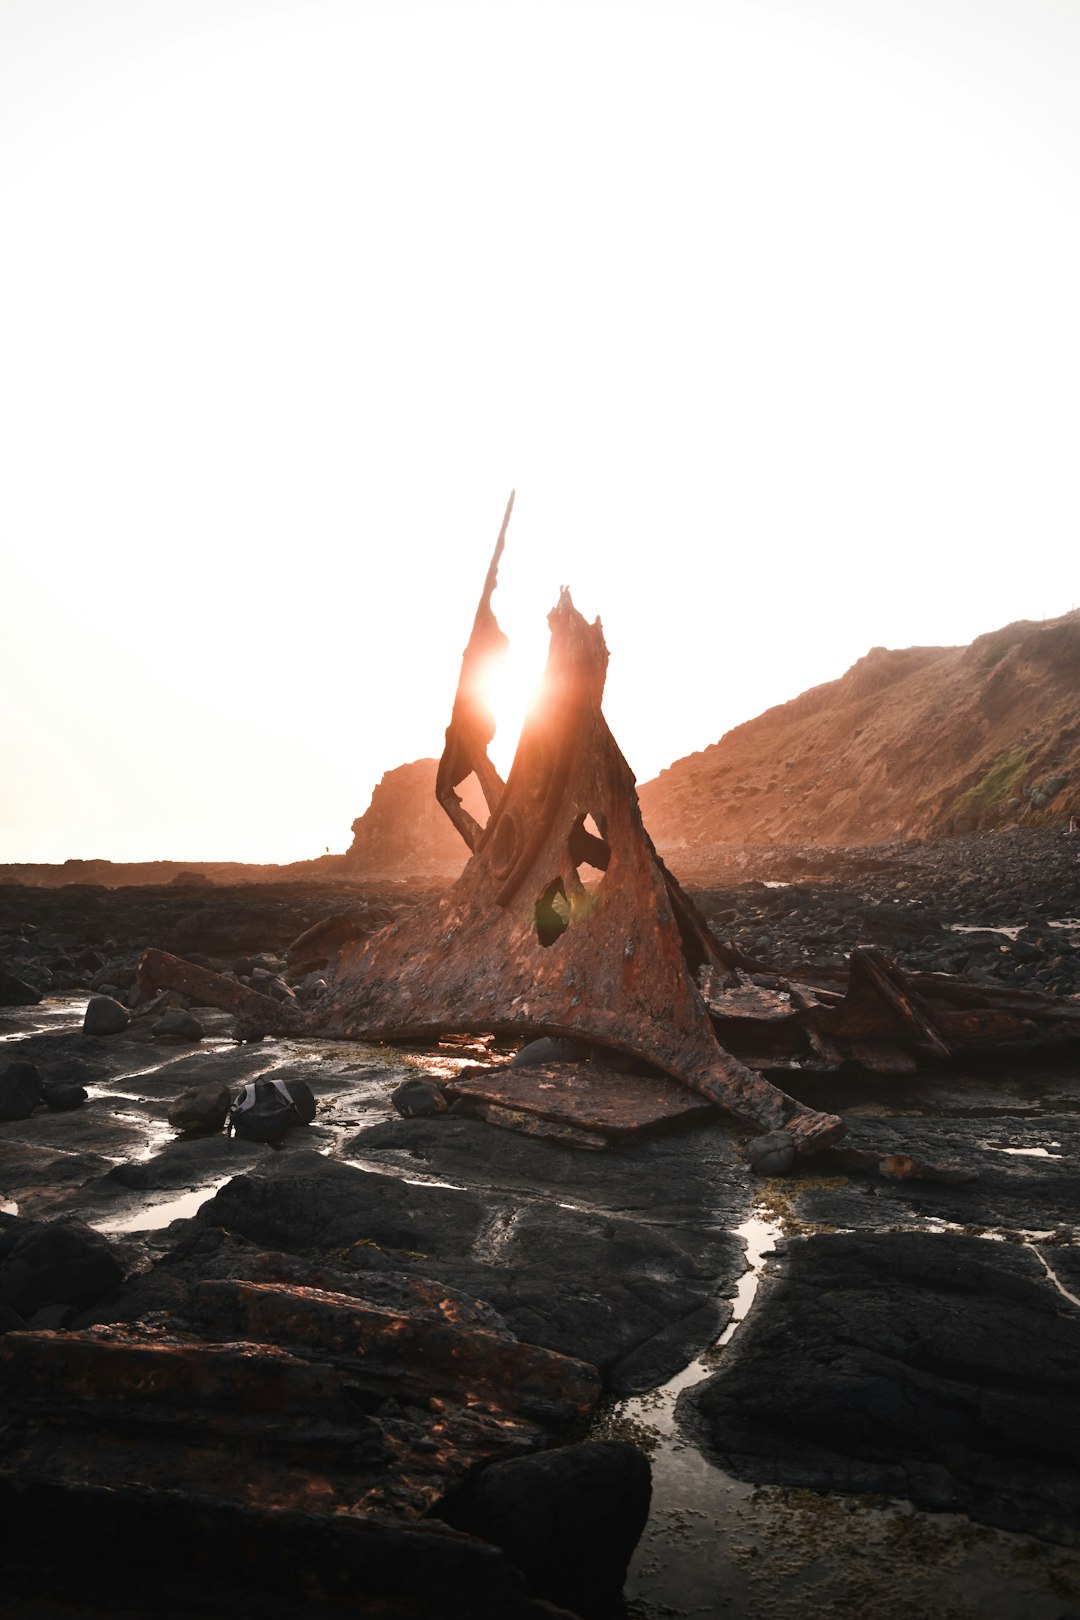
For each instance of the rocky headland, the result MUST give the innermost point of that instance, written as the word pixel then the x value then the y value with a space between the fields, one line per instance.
pixel 920 742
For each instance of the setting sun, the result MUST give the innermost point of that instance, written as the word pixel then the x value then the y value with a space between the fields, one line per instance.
pixel 511 686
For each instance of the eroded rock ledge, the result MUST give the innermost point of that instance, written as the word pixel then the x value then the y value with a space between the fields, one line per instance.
pixel 936 1366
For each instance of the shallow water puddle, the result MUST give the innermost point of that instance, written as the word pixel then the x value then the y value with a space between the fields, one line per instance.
pixel 154 1216
pixel 51 1016
pixel 717 1546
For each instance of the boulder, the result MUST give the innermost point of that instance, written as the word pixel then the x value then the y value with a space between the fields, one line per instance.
pixel 771 1155
pixel 200 1111
pixel 104 1016
pixel 569 1519
pixel 64 1095
pixel 21 1090
pixel 414 1099
pixel 43 1264
pixel 15 992
pixel 178 1026
pixel 547 1049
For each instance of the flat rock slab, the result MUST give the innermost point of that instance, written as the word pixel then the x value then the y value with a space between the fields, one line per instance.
pixel 1026 1170
pixel 939 1367
pixel 633 1297
pixel 692 1178
pixel 588 1096
pixel 42 1179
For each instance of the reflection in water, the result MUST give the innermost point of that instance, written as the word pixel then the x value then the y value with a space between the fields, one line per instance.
pixel 155 1216
pixel 715 1545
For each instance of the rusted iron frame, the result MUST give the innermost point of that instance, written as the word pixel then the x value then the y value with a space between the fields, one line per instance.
pixel 472 724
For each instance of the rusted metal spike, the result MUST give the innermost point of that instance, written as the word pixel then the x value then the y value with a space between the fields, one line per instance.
pixel 522 944
pixel 472 724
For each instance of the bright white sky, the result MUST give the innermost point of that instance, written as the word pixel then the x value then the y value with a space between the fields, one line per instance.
pixel 768 308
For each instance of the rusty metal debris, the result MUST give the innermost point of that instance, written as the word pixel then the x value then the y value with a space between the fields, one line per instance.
pixel 566 922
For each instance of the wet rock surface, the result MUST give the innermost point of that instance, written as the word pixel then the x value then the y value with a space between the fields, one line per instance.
pixel 570 1519
pixel 626 1260
pixel 937 1367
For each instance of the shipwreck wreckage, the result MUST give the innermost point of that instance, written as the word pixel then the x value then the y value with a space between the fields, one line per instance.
pixel 566 922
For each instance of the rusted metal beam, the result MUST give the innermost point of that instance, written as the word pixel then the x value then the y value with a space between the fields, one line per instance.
pixel 158 970
pixel 472 724
pixel 879 1005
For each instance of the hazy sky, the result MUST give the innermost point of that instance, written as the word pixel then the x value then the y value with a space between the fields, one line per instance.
pixel 768 308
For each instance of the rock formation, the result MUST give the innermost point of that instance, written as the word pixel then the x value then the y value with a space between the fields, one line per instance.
pixel 405 830
pixel 922 742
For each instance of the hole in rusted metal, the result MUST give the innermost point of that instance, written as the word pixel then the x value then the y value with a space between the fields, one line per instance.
pixel 589 851
pixel 552 913
pixel 471 795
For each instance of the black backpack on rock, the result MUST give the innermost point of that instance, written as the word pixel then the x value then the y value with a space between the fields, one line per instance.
pixel 263 1110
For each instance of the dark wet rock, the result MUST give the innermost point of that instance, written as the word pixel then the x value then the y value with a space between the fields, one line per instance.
pixel 51 1318
pixel 305 1204
pixel 689 1176
pixel 1064 1261
pixel 294 1400
pixel 771 1155
pixel 165 1001
pixel 42 1264
pixel 177 1026
pixel 15 992
pixel 588 1284
pixel 200 1111
pixel 414 1099
pixel 548 1049
pixel 42 1177
pixel 656 1360
pixel 201 1252
pixel 1024 1171
pixel 939 1367
pixel 190 1161
pixel 421 1357
pixel 21 1090
pixel 239 1558
pixel 569 1519
pixel 105 1016
pixel 232 1067
pixel 63 1095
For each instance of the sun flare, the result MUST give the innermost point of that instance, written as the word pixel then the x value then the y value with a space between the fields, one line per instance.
pixel 511 687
